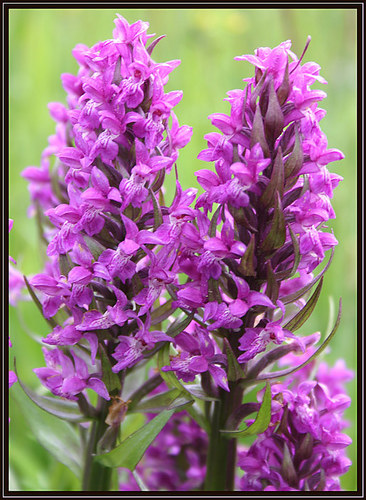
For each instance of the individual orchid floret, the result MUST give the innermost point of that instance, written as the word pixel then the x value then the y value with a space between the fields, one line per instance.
pixel 198 355
pixel 68 377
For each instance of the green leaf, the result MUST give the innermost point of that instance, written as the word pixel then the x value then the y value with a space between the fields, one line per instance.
pixel 57 436
pixel 247 262
pixel 111 379
pixel 235 371
pixel 179 325
pixel 277 234
pixel 273 286
pixel 299 319
pixel 171 399
pixel 131 450
pixel 61 408
pixel 162 312
pixel 257 134
pixel 276 183
pixel 50 321
pixel 274 119
pixel 262 421
pixel 294 162
pixel 213 225
pixel 297 256
pixel 158 216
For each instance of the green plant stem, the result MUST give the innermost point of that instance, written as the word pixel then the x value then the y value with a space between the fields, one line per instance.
pixel 221 457
pixel 96 477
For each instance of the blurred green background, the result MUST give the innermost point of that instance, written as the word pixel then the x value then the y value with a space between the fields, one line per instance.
pixel 206 41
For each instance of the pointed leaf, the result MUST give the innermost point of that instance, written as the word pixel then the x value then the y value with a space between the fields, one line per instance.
pixel 288 471
pixel 262 421
pixel 235 371
pixel 213 224
pixel 170 399
pixel 152 45
pixel 257 135
pixel 131 450
pixel 294 162
pixel 276 183
pixel 256 91
pixel 248 261
pixel 299 319
pixel 272 288
pixel 277 234
pixel 273 120
pixel 179 325
pixel 57 436
pixel 162 312
pixel 158 216
pixel 111 379
pixel 284 89
pixel 297 256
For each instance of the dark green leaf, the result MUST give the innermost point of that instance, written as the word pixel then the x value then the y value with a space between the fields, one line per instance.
pixel 95 248
pixel 248 261
pixel 162 312
pixel 179 325
pixel 111 379
pixel 272 288
pixel 276 183
pixel 288 471
pixel 277 234
pixel 213 224
pixel 284 89
pixel 258 133
pixel 273 120
pixel 289 273
pixel 235 371
pixel 158 216
pixel 294 162
pixel 299 319
pixel 262 421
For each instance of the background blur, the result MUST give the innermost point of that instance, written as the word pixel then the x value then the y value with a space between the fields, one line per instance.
pixel 206 41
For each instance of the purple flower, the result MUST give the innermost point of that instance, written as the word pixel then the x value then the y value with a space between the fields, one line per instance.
pixel 198 355
pixel 67 378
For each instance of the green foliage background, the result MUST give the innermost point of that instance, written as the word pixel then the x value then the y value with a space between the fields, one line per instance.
pixel 206 40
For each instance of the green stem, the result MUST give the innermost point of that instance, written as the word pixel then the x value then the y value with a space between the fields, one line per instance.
pixel 96 477
pixel 221 457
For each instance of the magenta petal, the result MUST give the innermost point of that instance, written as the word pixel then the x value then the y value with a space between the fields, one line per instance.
pixel 99 387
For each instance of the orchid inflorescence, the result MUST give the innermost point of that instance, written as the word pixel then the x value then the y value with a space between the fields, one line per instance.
pixel 212 287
